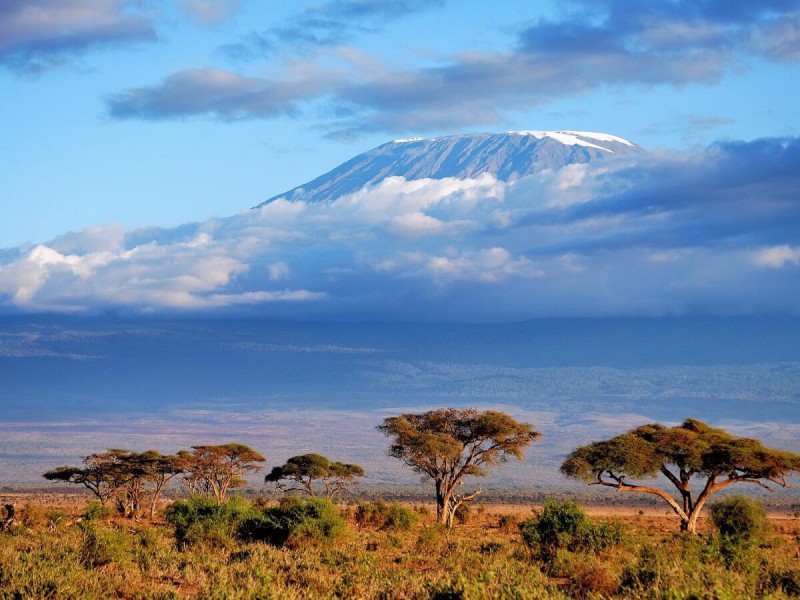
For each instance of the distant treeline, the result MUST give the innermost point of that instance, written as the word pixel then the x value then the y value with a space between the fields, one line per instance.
pixel 448 445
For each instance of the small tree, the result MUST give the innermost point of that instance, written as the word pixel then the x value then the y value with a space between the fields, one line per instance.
pixel 449 444
pixel 104 473
pixel 159 470
pixel 305 470
pixel 682 454
pixel 126 477
pixel 216 469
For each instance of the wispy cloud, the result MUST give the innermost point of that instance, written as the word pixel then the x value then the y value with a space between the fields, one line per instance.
pixel 598 44
pixel 214 93
pixel 325 24
pixel 209 12
pixel 38 35
pixel 715 230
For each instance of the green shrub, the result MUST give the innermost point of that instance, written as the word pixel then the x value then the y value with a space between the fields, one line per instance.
pixel 367 514
pixel 95 511
pixel 294 523
pixel 202 520
pixel 649 572
pixel 399 518
pixel 565 526
pixel 384 515
pixel 463 514
pixel 100 546
pixel 741 523
pixel 289 502
pixel 739 517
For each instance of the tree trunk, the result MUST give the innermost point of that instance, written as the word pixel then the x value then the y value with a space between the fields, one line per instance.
pixel 695 514
pixel 443 509
pixel 451 513
pixel 440 503
pixel 153 503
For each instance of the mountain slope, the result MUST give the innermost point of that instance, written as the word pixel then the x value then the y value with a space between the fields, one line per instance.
pixel 506 156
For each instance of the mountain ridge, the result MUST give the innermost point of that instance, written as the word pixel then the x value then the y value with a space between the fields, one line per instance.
pixel 506 156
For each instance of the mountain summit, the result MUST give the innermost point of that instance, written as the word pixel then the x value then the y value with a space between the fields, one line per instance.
pixel 506 156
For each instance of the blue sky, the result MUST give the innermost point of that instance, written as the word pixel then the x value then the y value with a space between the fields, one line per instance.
pixel 123 114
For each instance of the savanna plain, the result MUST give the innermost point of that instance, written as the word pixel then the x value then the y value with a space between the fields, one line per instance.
pixel 64 545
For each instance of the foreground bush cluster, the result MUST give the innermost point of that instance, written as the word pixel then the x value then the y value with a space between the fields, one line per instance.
pixel 317 549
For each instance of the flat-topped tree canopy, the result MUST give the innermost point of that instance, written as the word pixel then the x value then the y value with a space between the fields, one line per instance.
pixel 448 444
pixel 217 468
pixel 306 469
pixel 691 450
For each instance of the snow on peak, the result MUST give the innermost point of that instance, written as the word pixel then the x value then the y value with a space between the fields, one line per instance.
pixel 605 137
pixel 407 140
pixel 576 138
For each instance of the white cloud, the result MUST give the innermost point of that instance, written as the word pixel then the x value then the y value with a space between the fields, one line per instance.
pixel 416 224
pixel 90 239
pixel 491 265
pixel 777 256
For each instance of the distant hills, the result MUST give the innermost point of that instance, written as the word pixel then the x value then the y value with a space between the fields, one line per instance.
pixel 505 156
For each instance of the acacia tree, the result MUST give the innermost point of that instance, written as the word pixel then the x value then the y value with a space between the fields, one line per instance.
pixel 306 469
pixel 159 470
pixel 216 469
pixel 449 444
pixel 689 452
pixel 103 473
pixel 126 477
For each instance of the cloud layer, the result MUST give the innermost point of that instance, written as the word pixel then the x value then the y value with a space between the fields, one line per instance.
pixel 38 35
pixel 714 231
pixel 597 44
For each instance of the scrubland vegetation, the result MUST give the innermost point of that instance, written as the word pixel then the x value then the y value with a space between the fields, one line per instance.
pixel 211 543
pixel 297 548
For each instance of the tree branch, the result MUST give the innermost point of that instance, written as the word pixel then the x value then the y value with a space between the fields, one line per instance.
pixel 621 486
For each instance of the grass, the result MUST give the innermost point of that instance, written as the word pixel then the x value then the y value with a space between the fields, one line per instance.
pixel 73 557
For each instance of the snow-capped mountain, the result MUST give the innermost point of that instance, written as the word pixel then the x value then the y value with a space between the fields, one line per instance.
pixel 506 156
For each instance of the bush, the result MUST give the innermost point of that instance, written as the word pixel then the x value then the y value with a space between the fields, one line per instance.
pixel 463 514
pixel 95 511
pixel 370 514
pixel 591 578
pixel 293 523
pixel 649 572
pixel 565 526
pixel 32 516
pixel 199 519
pixel 508 523
pixel 385 515
pixel 400 518
pixel 739 517
pixel 100 546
